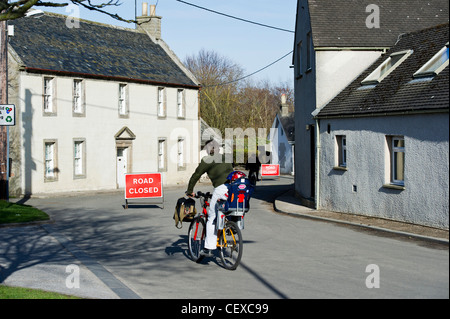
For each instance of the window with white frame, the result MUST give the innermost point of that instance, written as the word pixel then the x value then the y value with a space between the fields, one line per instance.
pixel 50 172
pixel 78 107
pixel 435 65
pixel 395 162
pixel 49 106
pixel 385 68
pixel 341 151
pixel 79 156
pixel 162 154
pixel 123 99
pixel 180 154
pixel 398 160
pixel 161 102
pixel 180 103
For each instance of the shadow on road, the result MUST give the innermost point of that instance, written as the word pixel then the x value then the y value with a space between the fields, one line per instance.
pixel 24 249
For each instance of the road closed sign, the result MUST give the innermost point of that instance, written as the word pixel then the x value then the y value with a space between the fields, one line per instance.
pixel 145 185
pixel 270 170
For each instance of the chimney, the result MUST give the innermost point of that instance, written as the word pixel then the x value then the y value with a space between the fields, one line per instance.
pixel 284 109
pixel 149 23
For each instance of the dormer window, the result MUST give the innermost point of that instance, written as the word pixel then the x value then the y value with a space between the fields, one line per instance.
pixel 393 61
pixel 436 64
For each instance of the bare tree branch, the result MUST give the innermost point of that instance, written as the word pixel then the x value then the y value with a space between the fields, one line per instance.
pixel 241 104
pixel 17 9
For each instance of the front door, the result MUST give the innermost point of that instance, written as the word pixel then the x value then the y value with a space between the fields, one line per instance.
pixel 122 165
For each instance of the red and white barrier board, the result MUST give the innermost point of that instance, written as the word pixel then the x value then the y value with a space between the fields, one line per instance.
pixel 146 185
pixel 270 170
pixel 143 185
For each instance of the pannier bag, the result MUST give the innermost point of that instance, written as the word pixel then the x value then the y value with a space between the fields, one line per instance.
pixel 184 211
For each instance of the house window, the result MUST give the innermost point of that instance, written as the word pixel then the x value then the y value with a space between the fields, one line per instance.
pixel 161 102
pixel 50 171
pixel 437 63
pixel 49 92
pixel 341 151
pixel 78 103
pixel 123 100
pixel 309 50
pixel 180 104
pixel 180 155
pixel 298 60
pixel 395 162
pixel 79 158
pixel 162 160
pixel 398 161
pixel 389 65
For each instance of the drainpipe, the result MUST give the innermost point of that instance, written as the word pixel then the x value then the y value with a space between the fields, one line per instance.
pixel 317 157
pixel 317 164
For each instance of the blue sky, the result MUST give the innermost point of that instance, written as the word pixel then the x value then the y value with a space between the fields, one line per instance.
pixel 187 30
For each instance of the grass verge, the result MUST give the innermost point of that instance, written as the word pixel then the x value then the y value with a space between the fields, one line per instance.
pixel 17 213
pixel 7 292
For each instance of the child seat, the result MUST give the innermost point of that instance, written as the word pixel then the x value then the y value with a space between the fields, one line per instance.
pixel 239 194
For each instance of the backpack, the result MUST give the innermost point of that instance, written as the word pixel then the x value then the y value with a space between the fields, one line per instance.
pixel 184 211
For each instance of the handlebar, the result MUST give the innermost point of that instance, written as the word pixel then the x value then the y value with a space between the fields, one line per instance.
pixel 206 195
pixel 200 195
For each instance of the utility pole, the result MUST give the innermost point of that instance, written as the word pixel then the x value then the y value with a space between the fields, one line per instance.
pixel 4 192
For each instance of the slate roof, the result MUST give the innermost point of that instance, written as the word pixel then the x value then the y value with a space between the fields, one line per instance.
pixel 343 23
pixel 399 91
pixel 47 45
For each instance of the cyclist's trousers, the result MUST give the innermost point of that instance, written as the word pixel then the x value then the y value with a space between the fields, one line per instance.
pixel 220 192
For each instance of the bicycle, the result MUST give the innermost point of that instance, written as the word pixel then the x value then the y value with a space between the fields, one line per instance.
pixel 229 236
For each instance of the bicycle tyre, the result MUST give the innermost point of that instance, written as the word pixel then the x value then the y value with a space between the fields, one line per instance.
pixel 231 251
pixel 195 244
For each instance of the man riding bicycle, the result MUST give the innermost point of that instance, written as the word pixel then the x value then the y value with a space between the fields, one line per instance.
pixel 215 166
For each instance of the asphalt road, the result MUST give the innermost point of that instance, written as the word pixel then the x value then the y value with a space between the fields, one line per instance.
pixel 138 253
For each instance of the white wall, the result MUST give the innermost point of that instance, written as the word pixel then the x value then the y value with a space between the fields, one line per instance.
pixel 425 199
pixel 98 127
pixel 332 69
pixel 336 69
pixel 281 149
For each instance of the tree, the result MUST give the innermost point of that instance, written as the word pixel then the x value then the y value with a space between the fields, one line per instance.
pixel 10 10
pixel 228 102
pixel 218 76
pixel 258 104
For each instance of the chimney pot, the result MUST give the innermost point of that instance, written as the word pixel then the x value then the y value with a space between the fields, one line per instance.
pixel 284 109
pixel 149 24
pixel 144 9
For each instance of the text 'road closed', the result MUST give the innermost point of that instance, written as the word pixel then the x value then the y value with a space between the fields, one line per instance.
pixel 146 185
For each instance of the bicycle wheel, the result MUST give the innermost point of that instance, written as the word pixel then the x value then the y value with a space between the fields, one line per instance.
pixel 196 238
pixel 231 245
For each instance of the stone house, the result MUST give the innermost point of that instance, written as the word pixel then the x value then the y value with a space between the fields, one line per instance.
pixel 95 102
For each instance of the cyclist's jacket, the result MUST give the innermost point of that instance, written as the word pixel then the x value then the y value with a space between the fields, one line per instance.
pixel 216 168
